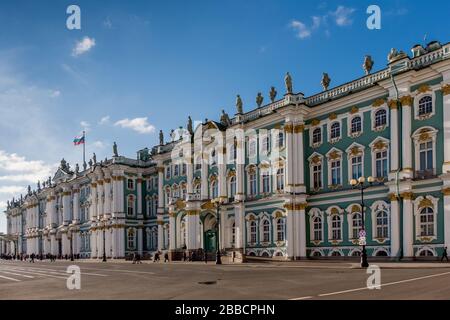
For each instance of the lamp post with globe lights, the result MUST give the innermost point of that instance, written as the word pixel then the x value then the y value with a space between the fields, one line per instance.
pixel 361 184
pixel 218 203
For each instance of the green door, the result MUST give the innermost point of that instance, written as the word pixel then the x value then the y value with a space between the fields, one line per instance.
pixel 210 240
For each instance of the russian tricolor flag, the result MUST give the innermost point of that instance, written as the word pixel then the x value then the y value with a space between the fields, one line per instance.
pixel 78 140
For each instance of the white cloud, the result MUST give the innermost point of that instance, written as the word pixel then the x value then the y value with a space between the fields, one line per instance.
pixel 85 125
pixel 302 30
pixel 55 93
pixel 140 125
pixel 14 168
pixel 12 190
pixel 342 16
pixel 83 46
pixel 99 144
pixel 104 120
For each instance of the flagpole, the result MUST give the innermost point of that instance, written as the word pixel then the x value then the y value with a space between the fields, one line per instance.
pixel 84 147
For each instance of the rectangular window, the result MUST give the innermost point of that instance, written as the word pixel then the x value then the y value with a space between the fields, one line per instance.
pixel 252 181
pixel 336 172
pixel 266 182
pixel 356 167
pixel 426 156
pixel 317 176
pixel 381 164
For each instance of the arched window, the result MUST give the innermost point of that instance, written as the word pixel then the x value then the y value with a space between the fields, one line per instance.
pixel 380 118
pixel 265 182
pixel 356 253
pixel 252 232
pixel 317 136
pixel 335 254
pixel 266 231
pixel 336 172
pixel 317 176
pixel 130 205
pixel 357 166
pixel 356 125
pixel 317 229
pixel 232 190
pixel 280 179
pixel 167 196
pixel 175 170
pixel 356 225
pixel 336 227
pixel 183 192
pixel 381 164
pixel 198 163
pixel 425 105
pixel 335 130
pixel 382 225
pixel 426 253
pixel 265 254
pixel 281 223
pixel 381 253
pixel 317 254
pixel 426 222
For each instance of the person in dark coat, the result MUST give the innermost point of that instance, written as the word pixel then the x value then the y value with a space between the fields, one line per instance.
pixel 166 257
pixel 205 256
pixel 184 255
pixel 444 254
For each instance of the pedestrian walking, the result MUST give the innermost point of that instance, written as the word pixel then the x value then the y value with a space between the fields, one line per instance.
pixel 134 258
pixel 184 256
pixel 32 258
pixel 205 256
pixel 444 254
pixel 166 257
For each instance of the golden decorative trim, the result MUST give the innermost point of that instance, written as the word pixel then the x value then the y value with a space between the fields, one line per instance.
pixel 406 101
pixel 301 206
pixel 299 128
pixel 334 211
pixel 288 206
pixel 425 202
pixel 288 128
pixel 172 214
pixel 424 88
pixel 180 204
pixel 356 208
pixel 192 212
pixel 107 180
pixel 392 197
pixel 425 239
pixel 213 178
pixel 424 136
pixel 355 151
pixel 160 169
pixel 76 190
pixel 379 145
pixel 93 185
pixel 100 182
pixel 159 223
pixel 315 122
pixel 316 159
pixel 392 104
pixel 67 193
pixel 446 191
pixel 354 110
pixel 332 116
pixel 334 155
pixel 378 102
pixel 445 89
pixel 207 205
pixel 139 180
pixel 407 195
pixel 278 215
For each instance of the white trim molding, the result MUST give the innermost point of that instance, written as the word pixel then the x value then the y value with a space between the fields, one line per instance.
pixel 419 204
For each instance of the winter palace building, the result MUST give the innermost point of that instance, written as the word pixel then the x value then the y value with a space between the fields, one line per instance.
pixel 271 182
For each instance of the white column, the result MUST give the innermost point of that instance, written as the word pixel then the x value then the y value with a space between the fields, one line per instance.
pixel 53 247
pixel 160 235
pixel 100 199
pixel 76 205
pixel 290 232
pixel 301 231
pixel 395 226
pixel 94 250
pixel 446 131
pixel 447 217
pixel 192 231
pixel 189 174
pixel 172 231
pixel 222 170
pixel 394 147
pixel 114 243
pixel 408 226
pixel 93 202
pixel 289 166
pixel 204 185
pixel 140 240
pixel 406 137
pixel 160 189
pixel 66 205
pixel 240 163
pixel 300 157
pixel 239 226
pixel 107 190
pixel 139 195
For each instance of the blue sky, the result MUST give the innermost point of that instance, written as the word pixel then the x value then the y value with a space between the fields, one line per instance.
pixel 139 66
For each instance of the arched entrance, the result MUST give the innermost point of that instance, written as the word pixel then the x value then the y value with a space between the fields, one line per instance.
pixel 210 233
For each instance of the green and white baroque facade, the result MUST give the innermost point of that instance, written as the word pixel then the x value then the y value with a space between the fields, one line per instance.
pixel 281 173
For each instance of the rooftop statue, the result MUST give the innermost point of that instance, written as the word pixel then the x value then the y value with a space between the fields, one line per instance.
pixel 63 164
pixel 39 185
pixel 273 94
pixel 90 163
pixel 77 168
pixel 84 165
pixel 225 119
pixel 325 81
pixel 368 64
pixel 288 83
pixel 239 105
pixel 115 152
pixel 189 125
pixel 395 55
pixel 161 137
pixel 29 190
pixel 94 158
pixel 259 99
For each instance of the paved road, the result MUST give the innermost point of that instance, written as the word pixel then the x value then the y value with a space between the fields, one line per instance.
pixel 315 280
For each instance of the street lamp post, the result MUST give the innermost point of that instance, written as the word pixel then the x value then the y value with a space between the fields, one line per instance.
pixel 104 241
pixel 360 184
